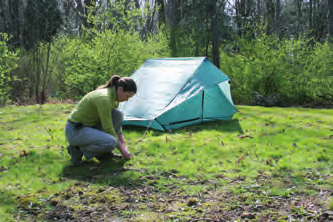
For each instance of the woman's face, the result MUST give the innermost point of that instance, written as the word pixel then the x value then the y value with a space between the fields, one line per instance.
pixel 124 96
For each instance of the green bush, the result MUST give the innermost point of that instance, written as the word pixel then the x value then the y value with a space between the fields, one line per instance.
pixel 7 63
pixel 113 45
pixel 108 54
pixel 71 66
pixel 40 70
pixel 282 72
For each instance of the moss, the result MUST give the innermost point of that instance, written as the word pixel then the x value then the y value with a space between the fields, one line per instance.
pixel 54 202
pixel 27 202
pixel 192 202
pixel 101 189
pixel 106 198
pixel 67 195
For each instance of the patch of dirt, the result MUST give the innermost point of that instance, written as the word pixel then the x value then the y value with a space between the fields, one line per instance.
pixel 61 213
pixel 145 203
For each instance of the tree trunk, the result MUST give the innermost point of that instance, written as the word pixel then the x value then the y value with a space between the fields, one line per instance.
pixel 81 12
pixel 14 20
pixel 207 30
pixel 277 17
pixel 2 17
pixel 299 16
pixel 270 17
pixel 172 26
pixel 310 15
pixel 195 33
pixel 330 19
pixel 215 32
pixel 239 15
pixel 258 7
pixel 37 57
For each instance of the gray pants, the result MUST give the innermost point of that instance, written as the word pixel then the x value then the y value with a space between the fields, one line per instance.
pixel 93 141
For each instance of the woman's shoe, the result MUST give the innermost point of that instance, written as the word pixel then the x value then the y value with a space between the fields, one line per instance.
pixel 76 154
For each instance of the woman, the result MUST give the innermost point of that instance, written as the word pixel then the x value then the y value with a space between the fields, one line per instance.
pixel 93 128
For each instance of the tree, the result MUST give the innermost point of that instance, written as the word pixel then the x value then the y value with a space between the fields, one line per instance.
pixel 277 16
pixel 10 14
pixel 171 22
pixel 41 21
pixel 215 31
pixel 330 19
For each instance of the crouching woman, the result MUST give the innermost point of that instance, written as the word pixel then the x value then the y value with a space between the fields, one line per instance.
pixel 93 128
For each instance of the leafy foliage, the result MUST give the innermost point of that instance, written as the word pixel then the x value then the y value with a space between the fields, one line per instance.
pixel 108 54
pixel 106 51
pixel 7 63
pixel 290 71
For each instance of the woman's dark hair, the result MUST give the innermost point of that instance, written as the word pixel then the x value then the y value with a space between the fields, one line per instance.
pixel 127 83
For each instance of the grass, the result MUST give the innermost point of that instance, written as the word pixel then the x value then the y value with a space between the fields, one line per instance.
pixel 198 173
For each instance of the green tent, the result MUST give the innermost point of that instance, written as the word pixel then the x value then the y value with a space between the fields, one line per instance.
pixel 176 92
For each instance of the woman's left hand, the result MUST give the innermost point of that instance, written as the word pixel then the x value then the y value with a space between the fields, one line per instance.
pixel 123 148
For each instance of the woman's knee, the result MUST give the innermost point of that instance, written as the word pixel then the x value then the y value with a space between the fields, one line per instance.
pixel 109 144
pixel 117 114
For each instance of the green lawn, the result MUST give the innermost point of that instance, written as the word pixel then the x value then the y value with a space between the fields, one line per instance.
pixel 281 171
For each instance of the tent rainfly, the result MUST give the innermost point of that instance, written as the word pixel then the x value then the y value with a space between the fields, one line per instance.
pixel 177 92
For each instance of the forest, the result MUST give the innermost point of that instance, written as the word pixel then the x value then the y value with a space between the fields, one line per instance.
pixel 277 52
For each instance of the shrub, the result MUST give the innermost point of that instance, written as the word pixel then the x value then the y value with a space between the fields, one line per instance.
pixel 278 72
pixel 7 63
pixel 113 45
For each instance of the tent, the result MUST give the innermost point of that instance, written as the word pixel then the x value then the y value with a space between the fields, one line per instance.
pixel 176 92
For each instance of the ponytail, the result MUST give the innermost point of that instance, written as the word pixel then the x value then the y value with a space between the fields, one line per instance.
pixel 127 83
pixel 112 82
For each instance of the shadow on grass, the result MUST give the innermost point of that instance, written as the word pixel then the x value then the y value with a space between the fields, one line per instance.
pixel 109 172
pixel 232 125
pixel 114 172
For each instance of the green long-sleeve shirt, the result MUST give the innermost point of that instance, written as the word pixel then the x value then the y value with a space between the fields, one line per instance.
pixel 96 107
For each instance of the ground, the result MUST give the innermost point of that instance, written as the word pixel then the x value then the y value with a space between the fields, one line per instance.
pixel 266 164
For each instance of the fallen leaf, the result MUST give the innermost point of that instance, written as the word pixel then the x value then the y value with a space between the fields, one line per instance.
pixel 52 136
pixel 3 169
pixel 244 136
pixel 239 160
pixel 54 202
pixel 25 153
pixel 93 168
pixel 248 215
